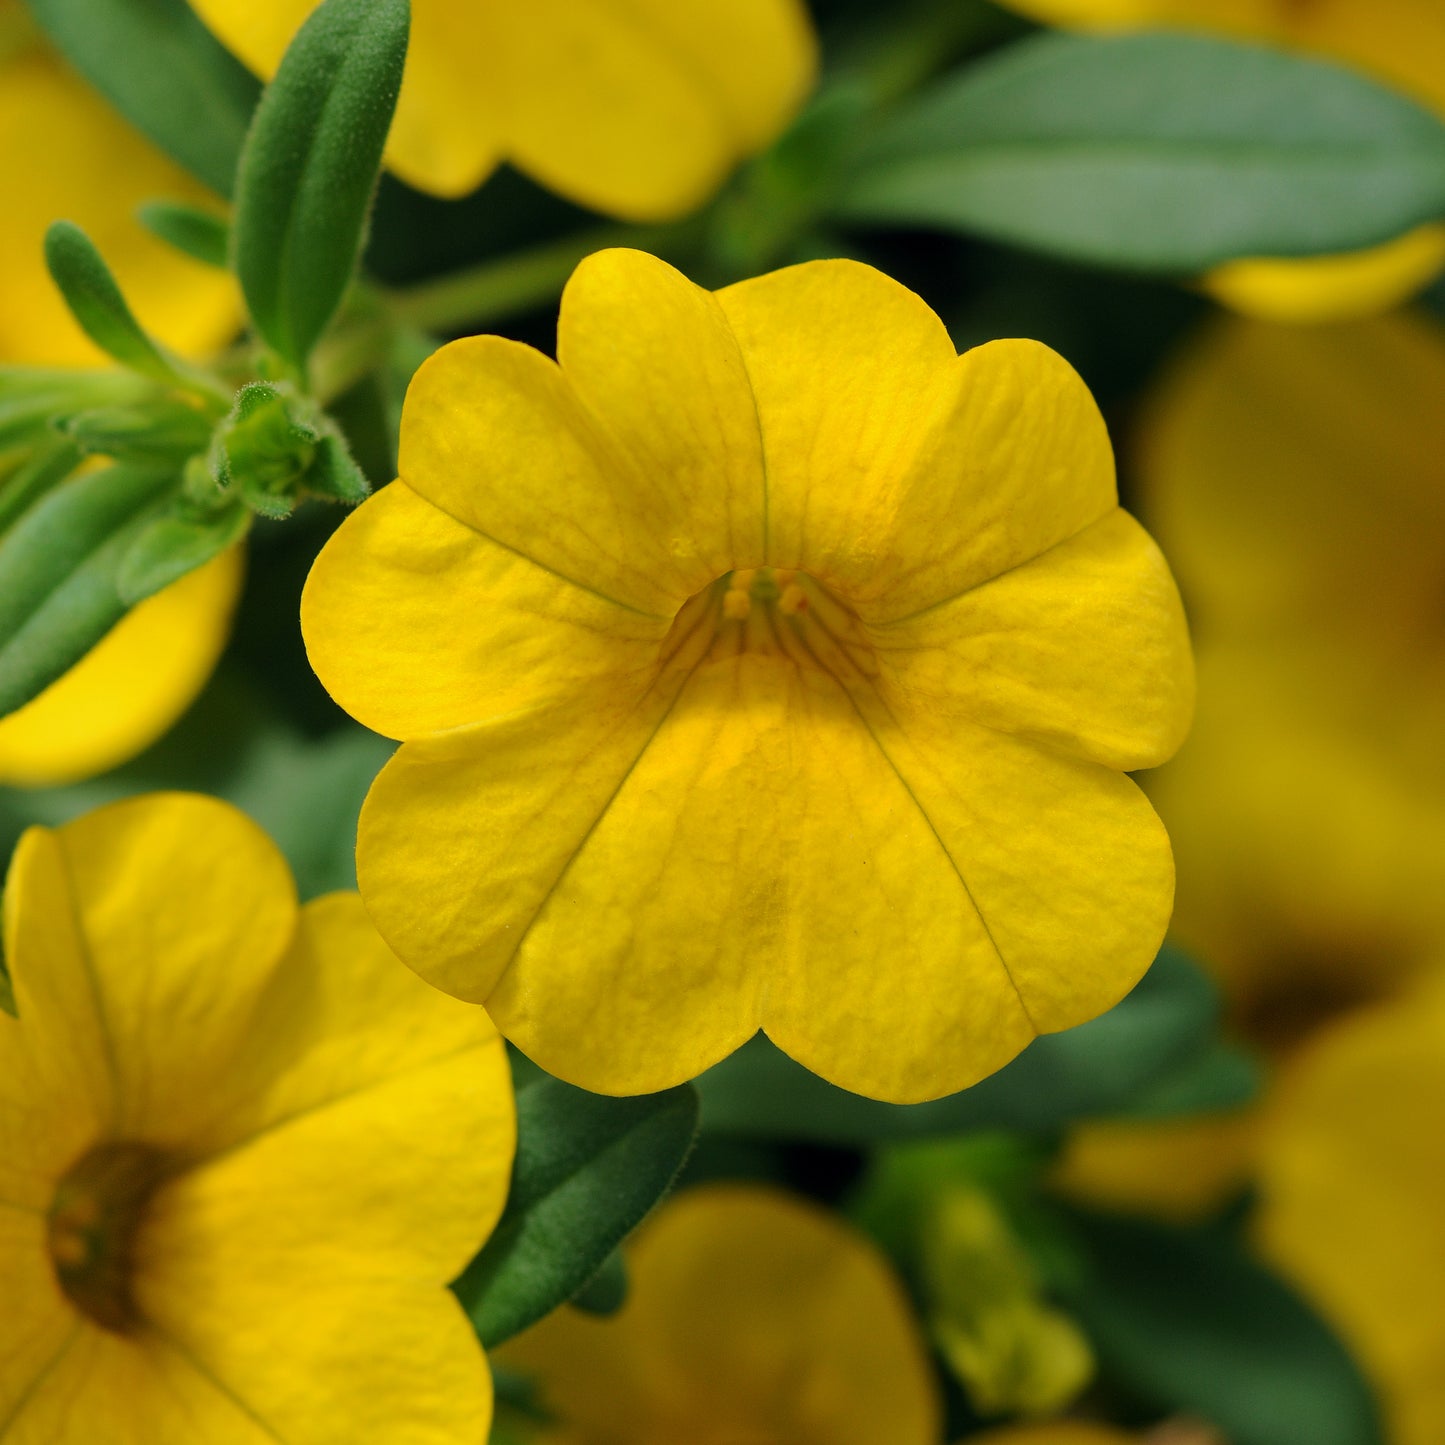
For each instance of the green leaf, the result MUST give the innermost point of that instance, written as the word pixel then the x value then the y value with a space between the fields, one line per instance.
pixel 59 563
pixel 173 545
pixel 1163 152
pixel 1193 1323
pixel 159 432
pixel 95 300
pixel 310 166
pixel 606 1292
pixel 202 235
pixel 588 1170
pixel 165 72
pixel 1223 1077
pixel 36 477
pixel 1095 1070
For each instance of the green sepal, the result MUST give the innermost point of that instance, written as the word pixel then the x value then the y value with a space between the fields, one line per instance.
pixel 165 72
pixel 334 473
pixel 309 169
pixel 1158 151
pixel 172 545
pixel 59 563
pixel 165 432
pixel 201 235
pixel 97 303
pixel 588 1170
pixel 263 449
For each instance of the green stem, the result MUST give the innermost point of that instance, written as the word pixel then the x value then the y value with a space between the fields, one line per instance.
pixel 526 280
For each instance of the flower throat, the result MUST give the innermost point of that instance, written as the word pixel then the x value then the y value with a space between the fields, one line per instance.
pixel 92 1225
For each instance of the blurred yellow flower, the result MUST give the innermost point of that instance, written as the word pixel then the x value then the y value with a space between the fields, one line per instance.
pixel 242 1151
pixel 1352 1197
pixel 637 109
pixel 750 1315
pixel 65 154
pixel 766 664
pixel 1295 477
pixel 128 691
pixel 1401 42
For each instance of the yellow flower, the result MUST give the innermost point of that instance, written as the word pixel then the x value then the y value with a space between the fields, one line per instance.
pixel 1295 478
pixel 1401 42
pixel 1352 1198
pixel 1294 475
pixel 242 1150
pixel 750 1316
pixel 129 690
pixel 765 664
pixel 638 109
pixel 65 153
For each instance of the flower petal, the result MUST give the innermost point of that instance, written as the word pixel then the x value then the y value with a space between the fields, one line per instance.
pixel 368 1171
pixel 643 107
pixel 129 690
pixel 139 939
pixel 128 1391
pixel 418 624
pixel 807 1334
pixel 65 152
pixel 898 473
pixel 37 1321
pixel 1084 649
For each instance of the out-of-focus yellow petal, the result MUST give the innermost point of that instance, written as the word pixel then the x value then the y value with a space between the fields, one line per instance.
pixel 898 472
pixel 638 109
pixel 1352 1197
pixel 1045 650
pixel 126 692
pixel 1280 466
pixel 139 940
pixel 1332 288
pixel 805 1334
pixel 1178 1169
pixel 65 153
pixel 351 1184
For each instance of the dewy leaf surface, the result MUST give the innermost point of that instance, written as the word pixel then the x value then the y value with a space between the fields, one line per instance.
pixel 1163 152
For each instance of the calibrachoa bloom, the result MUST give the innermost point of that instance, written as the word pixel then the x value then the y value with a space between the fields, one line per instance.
pixel 1352 1197
pixel 765 664
pixel 1401 42
pixel 637 109
pixel 750 1315
pixel 242 1151
pixel 128 690
pixel 64 152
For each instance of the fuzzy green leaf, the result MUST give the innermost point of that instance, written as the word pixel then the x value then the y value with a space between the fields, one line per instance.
pixel 58 567
pixel 310 166
pixel 171 545
pixel 202 235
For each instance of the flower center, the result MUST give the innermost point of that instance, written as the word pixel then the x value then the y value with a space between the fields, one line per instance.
pixel 776 611
pixel 93 1223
